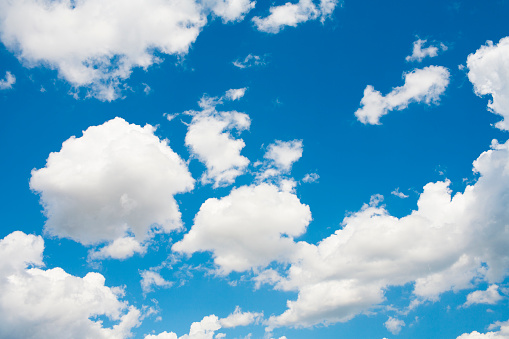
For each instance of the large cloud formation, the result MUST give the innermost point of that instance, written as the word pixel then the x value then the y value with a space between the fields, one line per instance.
pixel 115 182
pixel 37 303
pixel 97 43
pixel 443 245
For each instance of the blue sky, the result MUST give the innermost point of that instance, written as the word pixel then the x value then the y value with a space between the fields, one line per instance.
pixel 208 169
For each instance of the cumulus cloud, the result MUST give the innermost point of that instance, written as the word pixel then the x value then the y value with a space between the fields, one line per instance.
pixel 502 333
pixel 95 44
pixel 489 297
pixel 121 248
pixel 116 180
pixel 394 325
pixel 489 73
pixel 249 228
pixel 207 327
pixel 37 303
pixel 419 53
pixel 149 279
pixel 209 138
pixel 249 61
pixel 421 85
pixel 446 244
pixel 292 14
pixel 280 157
pixel 9 80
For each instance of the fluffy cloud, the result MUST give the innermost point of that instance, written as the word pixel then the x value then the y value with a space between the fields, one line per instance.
pixel 421 85
pixel 96 44
pixel 394 325
pixel 292 14
pixel 399 194
pixel 115 180
pixel 9 80
pixel 210 140
pixel 489 73
pixel 250 61
pixel 121 248
pixel 207 327
pixel 281 155
pixel 446 244
pixel 311 177
pixel 151 278
pixel 249 228
pixel 419 53
pixel 490 297
pixel 37 303
pixel 502 333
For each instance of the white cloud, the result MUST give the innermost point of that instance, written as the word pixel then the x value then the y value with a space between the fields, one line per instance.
pixel 284 153
pixel 489 297
pixel 502 333
pixel 209 138
pixel 446 244
pixel 235 94
pixel 95 44
pixel 239 318
pixel 230 10
pixel 421 85
pixel 419 53
pixel 399 194
pixel 394 325
pixel 9 80
pixel 292 14
pixel 207 327
pixel 250 61
pixel 120 248
pixel 249 228
pixel 117 179
pixel 311 177
pixel 151 278
pixel 489 73
pixel 280 155
pixel 37 303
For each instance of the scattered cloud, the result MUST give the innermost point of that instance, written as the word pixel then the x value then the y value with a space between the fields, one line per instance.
pixel 399 194
pixel 117 179
pixel 51 303
pixel 489 73
pixel 207 327
pixel 150 278
pixel 488 297
pixel 95 44
pixel 249 228
pixel 8 81
pixel 292 14
pixel 311 177
pixel 280 157
pixel 419 53
pixel 209 138
pixel 394 325
pixel 250 61
pixel 421 85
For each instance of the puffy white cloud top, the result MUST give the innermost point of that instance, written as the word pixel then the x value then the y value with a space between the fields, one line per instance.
pixel 249 228
pixel 489 73
pixel 37 303
pixel 115 180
